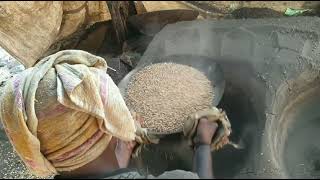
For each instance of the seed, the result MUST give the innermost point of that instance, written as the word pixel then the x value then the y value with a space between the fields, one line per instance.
pixel 165 94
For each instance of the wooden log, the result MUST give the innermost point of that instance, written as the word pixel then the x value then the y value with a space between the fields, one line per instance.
pixel 120 12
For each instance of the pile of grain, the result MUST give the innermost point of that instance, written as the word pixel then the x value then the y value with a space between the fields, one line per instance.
pixel 166 93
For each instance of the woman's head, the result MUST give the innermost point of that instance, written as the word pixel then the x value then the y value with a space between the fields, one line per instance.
pixel 62 114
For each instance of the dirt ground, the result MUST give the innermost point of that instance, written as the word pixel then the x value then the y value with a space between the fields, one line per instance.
pixel 226 7
pixel 11 166
pixel 247 9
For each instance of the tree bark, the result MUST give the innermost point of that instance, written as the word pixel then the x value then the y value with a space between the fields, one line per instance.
pixel 120 12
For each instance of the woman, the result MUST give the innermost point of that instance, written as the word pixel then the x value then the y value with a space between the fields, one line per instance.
pixel 66 116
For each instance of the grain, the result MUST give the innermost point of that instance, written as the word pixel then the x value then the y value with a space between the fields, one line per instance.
pixel 165 94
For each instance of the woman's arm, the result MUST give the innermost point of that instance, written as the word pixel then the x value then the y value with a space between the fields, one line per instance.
pixel 202 163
